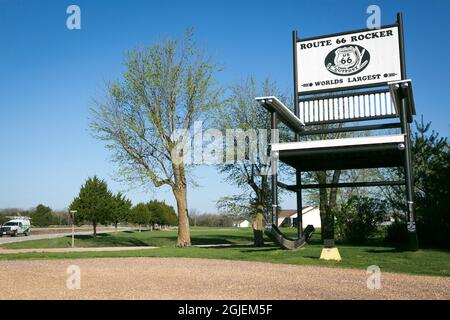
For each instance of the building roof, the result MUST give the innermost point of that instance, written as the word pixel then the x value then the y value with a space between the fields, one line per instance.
pixel 290 212
pixel 286 213
pixel 240 221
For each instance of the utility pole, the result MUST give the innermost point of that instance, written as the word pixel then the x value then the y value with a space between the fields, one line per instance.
pixel 72 214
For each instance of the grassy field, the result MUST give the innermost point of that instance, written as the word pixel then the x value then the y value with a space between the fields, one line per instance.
pixel 145 238
pixel 387 257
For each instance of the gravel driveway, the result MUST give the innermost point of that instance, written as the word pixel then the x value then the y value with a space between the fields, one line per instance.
pixel 184 278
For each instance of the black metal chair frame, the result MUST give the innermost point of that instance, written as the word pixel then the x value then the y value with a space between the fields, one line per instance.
pixel 398 155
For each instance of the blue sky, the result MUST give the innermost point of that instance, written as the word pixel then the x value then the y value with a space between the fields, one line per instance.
pixel 49 75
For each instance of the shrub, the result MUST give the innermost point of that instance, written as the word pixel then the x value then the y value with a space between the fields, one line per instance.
pixel 42 216
pixel 211 220
pixel 397 233
pixel 431 161
pixel 358 218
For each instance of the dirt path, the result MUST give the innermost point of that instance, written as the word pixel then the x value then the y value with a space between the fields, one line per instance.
pixel 182 278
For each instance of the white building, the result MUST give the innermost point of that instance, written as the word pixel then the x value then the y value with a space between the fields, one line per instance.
pixel 310 215
pixel 242 224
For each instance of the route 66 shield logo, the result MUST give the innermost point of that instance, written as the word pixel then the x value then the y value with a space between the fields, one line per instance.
pixel 347 60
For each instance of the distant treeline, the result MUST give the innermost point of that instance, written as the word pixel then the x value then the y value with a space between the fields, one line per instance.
pixel 41 216
pixel 210 220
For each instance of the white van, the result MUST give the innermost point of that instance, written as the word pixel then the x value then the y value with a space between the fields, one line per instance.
pixel 16 226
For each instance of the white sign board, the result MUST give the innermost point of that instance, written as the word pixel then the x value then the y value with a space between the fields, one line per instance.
pixel 348 60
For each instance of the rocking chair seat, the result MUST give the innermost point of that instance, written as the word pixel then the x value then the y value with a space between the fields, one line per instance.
pixel 345 153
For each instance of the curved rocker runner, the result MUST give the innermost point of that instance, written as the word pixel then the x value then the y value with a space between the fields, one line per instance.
pixel 284 242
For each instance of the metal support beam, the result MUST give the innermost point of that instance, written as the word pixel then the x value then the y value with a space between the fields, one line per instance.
pixel 342 185
pixel 294 62
pixel 274 215
pixel 409 178
pixel 401 39
pixel 382 126
pixel 299 205
pixel 298 174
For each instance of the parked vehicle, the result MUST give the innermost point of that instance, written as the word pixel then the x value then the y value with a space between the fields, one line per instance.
pixel 16 226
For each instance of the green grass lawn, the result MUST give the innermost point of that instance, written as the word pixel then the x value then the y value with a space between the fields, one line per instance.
pixel 387 257
pixel 200 236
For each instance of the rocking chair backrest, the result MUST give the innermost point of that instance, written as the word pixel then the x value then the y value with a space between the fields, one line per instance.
pixel 359 106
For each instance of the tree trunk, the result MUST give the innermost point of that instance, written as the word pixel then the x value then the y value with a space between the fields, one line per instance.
pixel 184 236
pixel 258 234
pixel 94 224
pixel 332 203
pixel 115 227
pixel 323 199
pixel 327 204
pixel 333 192
pixel 180 193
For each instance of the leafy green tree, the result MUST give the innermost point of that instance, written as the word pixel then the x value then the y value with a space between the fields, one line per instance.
pixel 161 213
pixel 120 209
pixel 170 217
pixel 42 216
pixel 164 90
pixel 154 206
pixel 3 219
pixel 93 203
pixel 141 215
pixel 431 165
pixel 358 218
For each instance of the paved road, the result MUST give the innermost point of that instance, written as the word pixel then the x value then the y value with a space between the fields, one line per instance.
pixel 184 278
pixel 76 249
pixel 9 239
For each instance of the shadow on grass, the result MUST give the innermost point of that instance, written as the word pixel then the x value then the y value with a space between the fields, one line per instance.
pixel 258 249
pixel 311 257
pixel 89 236
pixel 237 241
pixel 210 241
pixel 105 239
pixel 314 242
pixel 247 248
pixel 391 250
pixel 228 239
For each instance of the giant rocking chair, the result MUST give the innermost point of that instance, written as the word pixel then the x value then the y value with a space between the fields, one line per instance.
pixel 376 151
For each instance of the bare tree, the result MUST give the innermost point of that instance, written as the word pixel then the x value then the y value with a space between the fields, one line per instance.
pixel 328 198
pixel 165 88
pixel 251 172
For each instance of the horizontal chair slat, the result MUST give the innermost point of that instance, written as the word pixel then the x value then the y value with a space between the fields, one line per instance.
pixel 364 106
